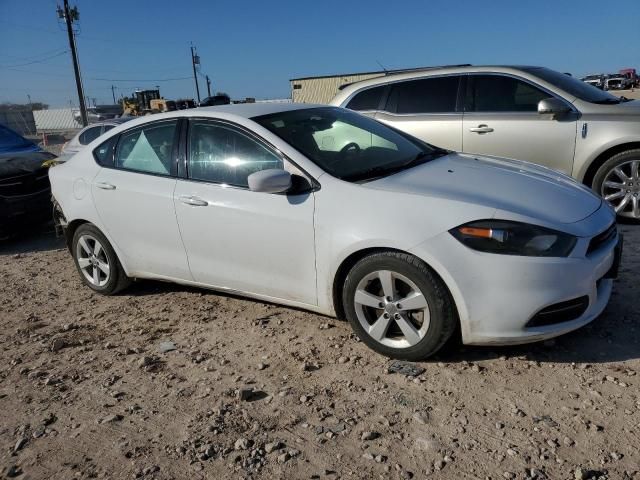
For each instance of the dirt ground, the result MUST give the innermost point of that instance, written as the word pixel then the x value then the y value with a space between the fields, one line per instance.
pixel 254 390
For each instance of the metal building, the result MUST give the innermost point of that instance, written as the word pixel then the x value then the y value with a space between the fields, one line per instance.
pixel 323 88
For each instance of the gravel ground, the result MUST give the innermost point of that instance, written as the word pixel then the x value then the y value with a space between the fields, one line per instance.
pixel 165 381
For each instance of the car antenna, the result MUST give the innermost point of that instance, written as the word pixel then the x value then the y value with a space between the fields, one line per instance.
pixel 383 67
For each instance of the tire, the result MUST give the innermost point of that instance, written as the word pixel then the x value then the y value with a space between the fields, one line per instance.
pixel 103 272
pixel 622 193
pixel 366 302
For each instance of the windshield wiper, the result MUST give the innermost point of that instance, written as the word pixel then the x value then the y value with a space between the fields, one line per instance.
pixel 383 170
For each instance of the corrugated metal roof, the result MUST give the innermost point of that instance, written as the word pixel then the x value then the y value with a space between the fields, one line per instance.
pixel 57 119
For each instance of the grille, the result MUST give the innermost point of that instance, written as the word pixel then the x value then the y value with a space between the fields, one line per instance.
pixel 25 184
pixel 560 312
pixel 602 238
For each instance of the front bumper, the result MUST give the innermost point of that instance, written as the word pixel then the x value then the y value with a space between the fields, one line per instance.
pixel 498 295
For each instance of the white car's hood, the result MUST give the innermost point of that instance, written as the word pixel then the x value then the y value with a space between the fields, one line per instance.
pixel 519 187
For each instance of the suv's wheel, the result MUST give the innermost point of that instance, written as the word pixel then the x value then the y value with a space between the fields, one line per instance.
pixel 618 181
pixel 96 261
pixel 398 306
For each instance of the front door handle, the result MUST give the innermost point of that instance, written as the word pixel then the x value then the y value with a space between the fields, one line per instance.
pixel 105 186
pixel 193 201
pixel 481 129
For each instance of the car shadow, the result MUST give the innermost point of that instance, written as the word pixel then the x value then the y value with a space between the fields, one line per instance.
pixel 40 239
pixel 612 337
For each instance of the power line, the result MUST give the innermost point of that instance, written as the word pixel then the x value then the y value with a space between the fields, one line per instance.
pixel 64 52
pixel 138 79
pixel 32 57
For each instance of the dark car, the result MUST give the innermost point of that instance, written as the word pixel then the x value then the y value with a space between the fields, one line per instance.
pixel 25 193
pixel 215 100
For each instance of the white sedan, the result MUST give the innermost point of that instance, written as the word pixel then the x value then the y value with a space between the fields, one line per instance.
pixel 324 209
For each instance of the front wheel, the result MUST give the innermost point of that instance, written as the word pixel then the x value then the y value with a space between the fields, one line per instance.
pixel 618 182
pixel 398 306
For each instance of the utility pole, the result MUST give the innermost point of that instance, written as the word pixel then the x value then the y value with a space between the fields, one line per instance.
pixel 195 60
pixel 208 86
pixel 30 104
pixel 71 15
pixel 113 94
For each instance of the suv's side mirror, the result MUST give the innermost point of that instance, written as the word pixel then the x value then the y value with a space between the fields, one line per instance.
pixel 553 105
pixel 273 180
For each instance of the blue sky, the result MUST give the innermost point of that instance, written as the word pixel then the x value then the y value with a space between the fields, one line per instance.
pixel 252 48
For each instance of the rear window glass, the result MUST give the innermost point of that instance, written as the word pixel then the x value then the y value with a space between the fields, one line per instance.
pixel 89 135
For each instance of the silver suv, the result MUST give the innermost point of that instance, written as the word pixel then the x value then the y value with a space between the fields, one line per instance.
pixel 526 113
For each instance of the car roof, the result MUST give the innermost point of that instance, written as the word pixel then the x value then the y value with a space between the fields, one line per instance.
pixel 234 112
pixel 249 110
pixel 392 77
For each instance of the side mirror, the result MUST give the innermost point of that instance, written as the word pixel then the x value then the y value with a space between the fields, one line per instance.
pixel 553 105
pixel 273 180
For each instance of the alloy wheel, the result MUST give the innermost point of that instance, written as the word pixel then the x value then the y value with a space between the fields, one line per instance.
pixel 621 188
pixel 93 260
pixel 392 309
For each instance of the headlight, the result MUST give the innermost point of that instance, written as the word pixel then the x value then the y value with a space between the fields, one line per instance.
pixel 514 238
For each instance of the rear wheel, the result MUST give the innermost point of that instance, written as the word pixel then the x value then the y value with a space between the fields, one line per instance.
pixel 97 262
pixel 618 182
pixel 398 306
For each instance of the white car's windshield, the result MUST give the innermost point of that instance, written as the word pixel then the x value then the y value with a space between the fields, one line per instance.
pixel 347 145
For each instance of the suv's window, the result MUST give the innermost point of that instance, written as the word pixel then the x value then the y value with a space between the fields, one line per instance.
pixel 148 149
pixel 368 99
pixel 223 154
pixel 428 95
pixel 89 135
pixel 498 93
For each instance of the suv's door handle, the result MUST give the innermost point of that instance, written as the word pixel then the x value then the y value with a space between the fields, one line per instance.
pixel 193 201
pixel 105 186
pixel 481 129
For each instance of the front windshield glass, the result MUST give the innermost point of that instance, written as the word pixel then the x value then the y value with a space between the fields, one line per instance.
pixel 346 144
pixel 572 86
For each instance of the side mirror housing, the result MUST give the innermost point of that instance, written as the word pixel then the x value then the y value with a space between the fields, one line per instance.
pixel 273 180
pixel 554 106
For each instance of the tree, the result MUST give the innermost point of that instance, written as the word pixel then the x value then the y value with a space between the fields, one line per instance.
pixel 16 107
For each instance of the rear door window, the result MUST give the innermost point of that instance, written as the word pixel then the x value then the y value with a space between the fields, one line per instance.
pixel 427 95
pixel 499 93
pixel 148 149
pixel 368 99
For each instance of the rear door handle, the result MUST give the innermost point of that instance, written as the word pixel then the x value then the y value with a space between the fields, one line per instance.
pixel 193 201
pixel 105 186
pixel 481 129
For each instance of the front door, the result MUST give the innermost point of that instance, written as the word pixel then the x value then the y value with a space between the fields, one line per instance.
pixel 133 194
pixel 235 238
pixel 501 118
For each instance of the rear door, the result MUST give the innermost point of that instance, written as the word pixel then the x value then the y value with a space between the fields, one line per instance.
pixel 426 108
pixel 501 118
pixel 133 194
